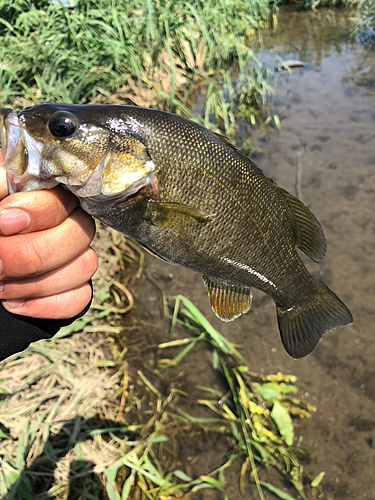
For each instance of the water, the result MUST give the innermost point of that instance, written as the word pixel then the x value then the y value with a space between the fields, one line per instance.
pixel 324 152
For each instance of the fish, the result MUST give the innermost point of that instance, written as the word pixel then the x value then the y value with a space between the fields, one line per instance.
pixel 188 196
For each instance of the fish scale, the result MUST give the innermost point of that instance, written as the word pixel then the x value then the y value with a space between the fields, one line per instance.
pixel 189 197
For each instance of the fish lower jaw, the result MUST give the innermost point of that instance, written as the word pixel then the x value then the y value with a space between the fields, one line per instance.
pixel 22 158
pixel 17 184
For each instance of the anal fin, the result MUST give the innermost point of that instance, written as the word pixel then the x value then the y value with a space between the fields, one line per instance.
pixel 228 301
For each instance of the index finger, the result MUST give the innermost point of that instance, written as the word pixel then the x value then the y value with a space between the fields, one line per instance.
pixel 43 210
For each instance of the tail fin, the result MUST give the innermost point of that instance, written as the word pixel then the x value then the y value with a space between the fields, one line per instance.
pixel 302 327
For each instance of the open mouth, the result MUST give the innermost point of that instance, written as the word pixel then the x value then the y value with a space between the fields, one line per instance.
pixel 22 155
pixel 11 144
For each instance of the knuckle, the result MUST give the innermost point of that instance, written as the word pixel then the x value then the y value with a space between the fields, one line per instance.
pixel 57 211
pixel 91 261
pixel 74 301
pixel 85 221
pixel 63 203
pixel 86 265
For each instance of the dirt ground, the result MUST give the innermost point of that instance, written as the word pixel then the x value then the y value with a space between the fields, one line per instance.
pixel 325 151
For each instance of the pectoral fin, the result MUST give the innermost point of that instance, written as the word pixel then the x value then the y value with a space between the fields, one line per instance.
pixel 228 301
pixel 169 214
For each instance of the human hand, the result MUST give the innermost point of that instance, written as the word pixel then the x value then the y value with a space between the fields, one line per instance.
pixel 45 258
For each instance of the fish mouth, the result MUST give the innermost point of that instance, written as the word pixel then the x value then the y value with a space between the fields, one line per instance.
pixel 22 155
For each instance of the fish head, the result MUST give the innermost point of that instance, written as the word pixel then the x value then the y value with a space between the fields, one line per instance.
pixel 54 144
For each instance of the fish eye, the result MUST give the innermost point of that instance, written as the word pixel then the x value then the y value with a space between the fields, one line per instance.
pixel 62 124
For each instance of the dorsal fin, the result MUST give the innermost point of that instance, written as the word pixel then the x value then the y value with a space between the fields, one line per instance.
pixel 228 301
pixel 309 233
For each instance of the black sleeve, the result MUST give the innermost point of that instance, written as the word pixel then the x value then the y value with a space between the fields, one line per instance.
pixel 18 332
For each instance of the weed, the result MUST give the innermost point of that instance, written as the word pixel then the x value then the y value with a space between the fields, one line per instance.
pixel 365 22
pixel 257 409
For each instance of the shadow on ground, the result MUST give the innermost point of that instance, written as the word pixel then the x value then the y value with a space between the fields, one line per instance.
pixel 38 478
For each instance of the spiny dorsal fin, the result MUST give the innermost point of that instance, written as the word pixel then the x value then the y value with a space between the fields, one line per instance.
pixel 170 214
pixel 228 301
pixel 309 233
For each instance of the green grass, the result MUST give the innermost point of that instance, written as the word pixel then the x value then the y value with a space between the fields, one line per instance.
pixel 365 25
pixel 140 51
pixel 82 412
pixel 257 409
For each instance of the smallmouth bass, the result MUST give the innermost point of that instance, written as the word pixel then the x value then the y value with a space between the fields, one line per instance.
pixel 189 197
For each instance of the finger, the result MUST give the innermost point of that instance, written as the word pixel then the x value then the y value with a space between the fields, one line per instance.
pixel 27 255
pixel 73 275
pixel 35 210
pixel 60 306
